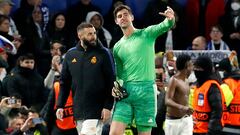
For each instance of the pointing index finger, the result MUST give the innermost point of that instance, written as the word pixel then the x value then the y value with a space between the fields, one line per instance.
pixel 163 14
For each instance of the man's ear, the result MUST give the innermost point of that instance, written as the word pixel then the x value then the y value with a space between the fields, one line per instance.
pixel 132 17
pixel 80 35
pixel 116 21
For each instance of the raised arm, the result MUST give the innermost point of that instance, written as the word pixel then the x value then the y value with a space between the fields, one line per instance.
pixel 156 30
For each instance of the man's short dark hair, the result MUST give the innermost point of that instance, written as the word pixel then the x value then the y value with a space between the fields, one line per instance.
pixel 205 63
pixel 119 8
pixel 182 60
pixel 55 41
pixel 3 18
pixel 84 25
pixel 218 27
pixel 63 48
pixel 28 56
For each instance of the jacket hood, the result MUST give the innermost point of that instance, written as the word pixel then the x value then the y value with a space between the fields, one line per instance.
pixel 25 5
pixel 93 13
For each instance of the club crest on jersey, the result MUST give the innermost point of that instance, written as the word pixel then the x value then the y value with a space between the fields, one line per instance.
pixel 94 60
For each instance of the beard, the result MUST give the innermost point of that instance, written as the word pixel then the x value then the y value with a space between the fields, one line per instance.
pixel 90 43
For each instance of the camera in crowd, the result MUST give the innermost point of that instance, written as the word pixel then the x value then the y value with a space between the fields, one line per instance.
pixel 13 100
pixel 37 121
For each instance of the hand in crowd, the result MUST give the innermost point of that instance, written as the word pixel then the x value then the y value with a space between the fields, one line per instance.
pixel 169 13
pixel 17 41
pixel 5 103
pixel 56 66
pixel 29 122
pixel 235 35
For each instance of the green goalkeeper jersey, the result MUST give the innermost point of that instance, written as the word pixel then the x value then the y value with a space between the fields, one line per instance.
pixel 134 55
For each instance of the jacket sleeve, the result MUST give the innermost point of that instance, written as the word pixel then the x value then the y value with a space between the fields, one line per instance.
pixel 215 101
pixel 44 93
pixel 47 112
pixel 109 74
pixel 49 80
pixel 154 31
pixel 65 84
pixel 3 124
pixel 12 87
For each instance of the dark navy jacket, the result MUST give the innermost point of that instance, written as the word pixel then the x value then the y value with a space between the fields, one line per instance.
pixel 90 74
